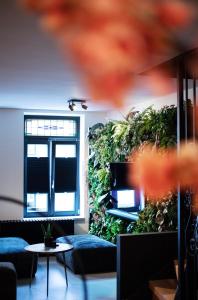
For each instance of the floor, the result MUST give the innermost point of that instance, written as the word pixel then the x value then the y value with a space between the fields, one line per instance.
pixel 99 286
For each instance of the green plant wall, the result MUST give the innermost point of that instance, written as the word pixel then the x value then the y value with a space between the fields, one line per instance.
pixel 113 142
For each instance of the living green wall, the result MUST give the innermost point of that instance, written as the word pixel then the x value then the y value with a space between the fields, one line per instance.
pixel 113 142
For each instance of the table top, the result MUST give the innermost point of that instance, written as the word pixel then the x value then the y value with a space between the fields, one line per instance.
pixel 40 248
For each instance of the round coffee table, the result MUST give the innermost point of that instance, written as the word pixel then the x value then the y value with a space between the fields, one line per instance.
pixel 36 249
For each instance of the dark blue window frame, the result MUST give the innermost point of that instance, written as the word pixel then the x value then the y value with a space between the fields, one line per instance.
pixel 51 141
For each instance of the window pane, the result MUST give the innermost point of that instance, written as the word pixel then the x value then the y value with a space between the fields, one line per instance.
pixel 37 202
pixel 69 127
pixel 28 127
pixel 64 201
pixel 65 150
pixel 53 127
pixel 40 127
pixel 37 150
pixel 60 129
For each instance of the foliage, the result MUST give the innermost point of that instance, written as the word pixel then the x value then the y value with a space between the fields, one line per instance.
pixel 157 216
pixel 47 231
pixel 107 227
pixel 114 142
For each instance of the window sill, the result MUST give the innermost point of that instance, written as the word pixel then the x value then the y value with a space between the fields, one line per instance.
pixel 55 218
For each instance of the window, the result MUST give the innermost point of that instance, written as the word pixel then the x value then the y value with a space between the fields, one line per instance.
pixel 51 166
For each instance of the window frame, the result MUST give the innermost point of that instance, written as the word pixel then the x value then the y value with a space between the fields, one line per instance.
pixel 51 141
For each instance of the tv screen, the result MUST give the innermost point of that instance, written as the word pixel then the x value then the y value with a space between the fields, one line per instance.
pixel 119 175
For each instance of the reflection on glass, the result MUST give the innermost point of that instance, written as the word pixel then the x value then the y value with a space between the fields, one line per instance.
pixel 37 150
pixel 37 202
pixel 65 151
pixel 64 201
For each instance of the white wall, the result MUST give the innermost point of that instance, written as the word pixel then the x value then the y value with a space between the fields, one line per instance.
pixel 12 161
pixel 142 103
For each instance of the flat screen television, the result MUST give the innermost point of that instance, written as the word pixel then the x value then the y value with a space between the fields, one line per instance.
pixel 126 197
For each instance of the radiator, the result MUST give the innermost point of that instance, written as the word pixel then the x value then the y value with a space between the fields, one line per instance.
pixel 30 230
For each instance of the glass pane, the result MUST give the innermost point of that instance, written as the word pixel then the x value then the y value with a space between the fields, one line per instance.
pixel 40 127
pixel 28 127
pixel 37 150
pixel 37 202
pixel 65 151
pixel 60 129
pixel 53 127
pixel 69 127
pixel 64 201
pixel 47 128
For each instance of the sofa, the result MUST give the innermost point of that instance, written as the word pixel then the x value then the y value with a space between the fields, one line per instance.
pixel 90 254
pixel 12 250
pixel 8 279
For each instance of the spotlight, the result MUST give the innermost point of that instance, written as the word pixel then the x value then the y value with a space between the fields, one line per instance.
pixel 71 104
pixel 84 106
pixel 71 107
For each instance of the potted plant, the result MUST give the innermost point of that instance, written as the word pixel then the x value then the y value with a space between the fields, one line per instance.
pixel 47 235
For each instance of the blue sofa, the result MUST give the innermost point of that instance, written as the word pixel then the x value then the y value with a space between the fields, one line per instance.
pixel 12 250
pixel 90 254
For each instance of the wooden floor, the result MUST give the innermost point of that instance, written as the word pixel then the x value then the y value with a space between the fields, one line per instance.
pixel 99 286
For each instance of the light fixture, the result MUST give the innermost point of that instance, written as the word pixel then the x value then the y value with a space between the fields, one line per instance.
pixel 84 106
pixel 72 103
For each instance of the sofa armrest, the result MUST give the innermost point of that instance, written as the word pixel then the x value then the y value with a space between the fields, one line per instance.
pixel 7 281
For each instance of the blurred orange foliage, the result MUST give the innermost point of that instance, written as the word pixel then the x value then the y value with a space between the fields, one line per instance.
pixel 111 40
pixel 154 170
pixel 159 171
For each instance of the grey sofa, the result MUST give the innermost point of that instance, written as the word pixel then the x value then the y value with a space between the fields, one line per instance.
pixel 7 281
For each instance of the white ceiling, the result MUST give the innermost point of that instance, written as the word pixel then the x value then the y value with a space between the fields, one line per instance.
pixel 33 74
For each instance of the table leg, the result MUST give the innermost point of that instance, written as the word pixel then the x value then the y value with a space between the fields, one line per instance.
pixel 32 270
pixel 65 269
pixel 47 274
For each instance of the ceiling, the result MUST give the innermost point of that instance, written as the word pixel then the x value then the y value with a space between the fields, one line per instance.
pixel 33 74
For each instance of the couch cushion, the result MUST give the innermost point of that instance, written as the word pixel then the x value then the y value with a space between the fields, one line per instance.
pixel 12 245
pixel 90 254
pixel 12 250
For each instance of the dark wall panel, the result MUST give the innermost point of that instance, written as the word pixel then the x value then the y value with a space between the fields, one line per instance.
pixel 142 257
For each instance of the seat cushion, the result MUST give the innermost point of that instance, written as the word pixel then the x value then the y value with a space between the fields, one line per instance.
pixel 12 250
pixel 90 254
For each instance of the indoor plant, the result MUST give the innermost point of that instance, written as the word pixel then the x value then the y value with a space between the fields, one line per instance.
pixel 47 235
pixel 114 142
